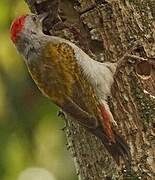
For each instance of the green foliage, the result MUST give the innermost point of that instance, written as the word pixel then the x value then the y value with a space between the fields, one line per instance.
pixel 30 134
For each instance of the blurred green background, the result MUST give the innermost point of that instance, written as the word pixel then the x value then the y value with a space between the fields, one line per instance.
pixel 30 132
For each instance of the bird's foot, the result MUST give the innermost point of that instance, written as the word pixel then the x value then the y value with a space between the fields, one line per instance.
pixel 62 115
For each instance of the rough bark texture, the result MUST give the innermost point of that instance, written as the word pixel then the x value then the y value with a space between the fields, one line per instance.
pixel 106 30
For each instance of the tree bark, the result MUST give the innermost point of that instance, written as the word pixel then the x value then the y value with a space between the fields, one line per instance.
pixel 106 30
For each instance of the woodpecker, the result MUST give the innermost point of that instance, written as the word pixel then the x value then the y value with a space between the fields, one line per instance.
pixel 74 81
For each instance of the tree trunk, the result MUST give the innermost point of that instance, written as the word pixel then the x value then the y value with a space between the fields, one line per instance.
pixel 106 30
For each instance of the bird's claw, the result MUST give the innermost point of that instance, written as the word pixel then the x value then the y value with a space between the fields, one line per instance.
pixel 63 116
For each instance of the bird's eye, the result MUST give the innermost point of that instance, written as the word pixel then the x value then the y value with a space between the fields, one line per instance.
pixel 34 18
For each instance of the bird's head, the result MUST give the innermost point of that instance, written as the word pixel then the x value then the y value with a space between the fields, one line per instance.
pixel 25 24
pixel 24 33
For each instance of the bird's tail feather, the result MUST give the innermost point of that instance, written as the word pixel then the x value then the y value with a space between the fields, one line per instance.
pixel 118 149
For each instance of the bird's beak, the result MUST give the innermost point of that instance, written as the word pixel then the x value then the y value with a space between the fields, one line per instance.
pixel 40 19
pixel 42 16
